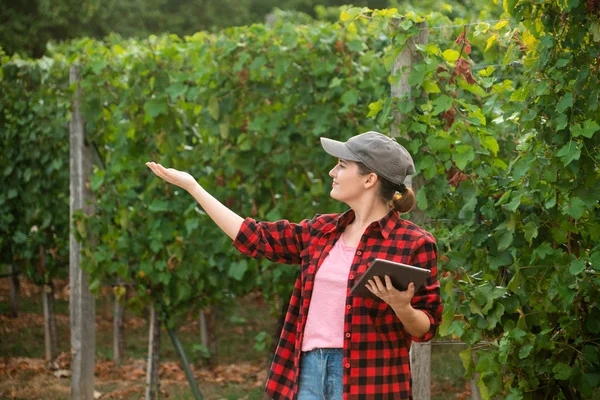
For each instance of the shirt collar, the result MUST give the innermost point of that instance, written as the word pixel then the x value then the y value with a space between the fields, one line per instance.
pixel 386 224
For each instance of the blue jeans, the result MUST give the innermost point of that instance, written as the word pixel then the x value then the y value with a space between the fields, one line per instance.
pixel 321 375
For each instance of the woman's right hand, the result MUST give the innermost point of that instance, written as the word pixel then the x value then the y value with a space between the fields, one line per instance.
pixel 171 175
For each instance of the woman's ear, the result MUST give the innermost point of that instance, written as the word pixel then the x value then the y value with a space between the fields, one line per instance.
pixel 371 180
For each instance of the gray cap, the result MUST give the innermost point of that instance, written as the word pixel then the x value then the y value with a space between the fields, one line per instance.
pixel 380 153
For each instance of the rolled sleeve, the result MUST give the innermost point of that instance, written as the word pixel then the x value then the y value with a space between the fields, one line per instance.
pixel 427 298
pixel 280 241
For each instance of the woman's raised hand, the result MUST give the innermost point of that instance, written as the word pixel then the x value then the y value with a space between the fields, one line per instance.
pixel 171 175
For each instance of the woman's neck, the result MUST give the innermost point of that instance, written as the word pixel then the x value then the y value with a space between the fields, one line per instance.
pixel 367 214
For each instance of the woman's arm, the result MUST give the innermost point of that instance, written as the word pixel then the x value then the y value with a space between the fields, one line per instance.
pixel 415 322
pixel 226 219
pixel 420 312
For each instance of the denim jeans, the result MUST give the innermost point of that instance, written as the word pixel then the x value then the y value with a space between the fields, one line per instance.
pixel 321 375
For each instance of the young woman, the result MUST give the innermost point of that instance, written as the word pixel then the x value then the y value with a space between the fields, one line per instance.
pixel 334 345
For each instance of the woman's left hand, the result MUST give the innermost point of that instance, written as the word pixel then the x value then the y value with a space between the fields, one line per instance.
pixel 388 293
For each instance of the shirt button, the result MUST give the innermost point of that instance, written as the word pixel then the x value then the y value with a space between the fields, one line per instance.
pixel 358 253
pixel 347 365
pixel 348 334
pixel 348 307
pixel 351 276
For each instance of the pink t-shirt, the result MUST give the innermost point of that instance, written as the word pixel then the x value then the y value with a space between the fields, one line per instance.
pixel 325 321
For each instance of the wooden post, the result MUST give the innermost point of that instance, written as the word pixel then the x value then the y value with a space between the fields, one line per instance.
pixel 203 329
pixel 50 336
pixel 420 353
pixel 152 379
pixel 118 329
pixel 208 335
pixel 81 302
pixel 15 290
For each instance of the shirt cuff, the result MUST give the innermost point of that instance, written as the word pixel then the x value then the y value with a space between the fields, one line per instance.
pixel 430 334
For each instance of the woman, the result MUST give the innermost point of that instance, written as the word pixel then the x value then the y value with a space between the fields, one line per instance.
pixel 334 345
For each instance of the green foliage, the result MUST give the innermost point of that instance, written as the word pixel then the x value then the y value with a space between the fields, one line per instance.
pixel 34 165
pixel 242 111
pixel 503 123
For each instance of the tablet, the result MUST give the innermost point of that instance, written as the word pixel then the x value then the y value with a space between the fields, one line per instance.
pixel 400 274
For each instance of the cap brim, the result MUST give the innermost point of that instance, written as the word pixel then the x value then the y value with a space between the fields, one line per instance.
pixel 338 149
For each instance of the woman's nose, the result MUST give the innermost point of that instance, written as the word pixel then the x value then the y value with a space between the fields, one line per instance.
pixel 333 171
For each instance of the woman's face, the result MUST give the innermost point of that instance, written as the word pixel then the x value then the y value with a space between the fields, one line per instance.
pixel 347 184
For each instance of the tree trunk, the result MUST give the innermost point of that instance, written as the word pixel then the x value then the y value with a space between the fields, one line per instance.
pixel 152 380
pixel 15 290
pixel 82 305
pixel 119 330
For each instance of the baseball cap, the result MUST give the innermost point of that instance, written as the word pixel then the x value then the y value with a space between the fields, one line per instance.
pixel 380 153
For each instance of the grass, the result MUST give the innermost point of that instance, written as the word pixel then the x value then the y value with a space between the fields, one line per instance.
pixel 236 332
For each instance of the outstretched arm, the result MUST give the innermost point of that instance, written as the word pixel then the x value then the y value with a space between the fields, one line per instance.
pixel 226 219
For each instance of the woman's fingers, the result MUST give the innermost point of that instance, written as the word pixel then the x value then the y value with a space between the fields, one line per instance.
pixel 380 284
pixel 156 168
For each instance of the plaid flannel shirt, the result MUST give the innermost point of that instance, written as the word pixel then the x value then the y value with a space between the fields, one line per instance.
pixel 376 347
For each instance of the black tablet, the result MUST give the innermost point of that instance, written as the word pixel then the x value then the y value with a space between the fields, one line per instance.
pixel 400 274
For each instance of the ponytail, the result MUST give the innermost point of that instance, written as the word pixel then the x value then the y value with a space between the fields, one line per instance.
pixel 403 200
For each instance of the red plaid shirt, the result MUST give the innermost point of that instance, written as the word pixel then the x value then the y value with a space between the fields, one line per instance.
pixel 376 358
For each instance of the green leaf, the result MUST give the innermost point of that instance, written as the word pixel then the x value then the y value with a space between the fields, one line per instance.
pixel 569 152
pixel 577 267
pixel 213 107
pixel 441 104
pixel 501 260
pixel 575 208
pixel 531 231
pixel 467 359
pixel 491 40
pixel 156 245
pixel 159 206
pixel 176 90
pixel 464 154
pixel 565 102
pixel 349 14
pixel 374 108
pixel 350 97
pixel 97 180
pixel 525 350
pixel 515 202
pixel 155 107
pixel 431 87
pixel 447 319
pixel 504 240
pixel 238 269
pixel 490 143
pixel 561 371
pixel 450 55
pixel 587 130
pixel 468 210
pixel 258 63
